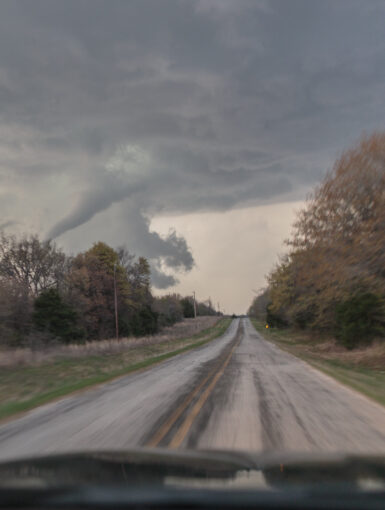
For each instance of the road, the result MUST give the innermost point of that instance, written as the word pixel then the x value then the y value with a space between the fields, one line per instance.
pixel 239 391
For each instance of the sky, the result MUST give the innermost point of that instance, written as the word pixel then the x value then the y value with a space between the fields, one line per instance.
pixel 188 131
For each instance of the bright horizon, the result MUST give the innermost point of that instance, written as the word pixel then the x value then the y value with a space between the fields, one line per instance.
pixel 231 279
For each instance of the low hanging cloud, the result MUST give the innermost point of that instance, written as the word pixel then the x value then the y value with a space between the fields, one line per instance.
pixel 143 108
pixel 161 280
pixel 170 252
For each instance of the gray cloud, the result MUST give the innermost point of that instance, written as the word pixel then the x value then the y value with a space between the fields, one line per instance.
pixel 170 252
pixel 161 280
pixel 177 106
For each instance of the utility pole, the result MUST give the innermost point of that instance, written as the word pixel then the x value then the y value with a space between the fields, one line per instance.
pixel 219 309
pixel 116 305
pixel 195 306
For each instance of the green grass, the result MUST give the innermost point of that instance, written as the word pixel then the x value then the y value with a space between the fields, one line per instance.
pixel 367 380
pixel 23 388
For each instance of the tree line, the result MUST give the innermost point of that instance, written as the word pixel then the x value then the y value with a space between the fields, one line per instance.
pixel 333 277
pixel 46 295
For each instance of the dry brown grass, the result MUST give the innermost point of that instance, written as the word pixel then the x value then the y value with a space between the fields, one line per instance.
pixel 30 357
pixel 371 356
pixel 326 348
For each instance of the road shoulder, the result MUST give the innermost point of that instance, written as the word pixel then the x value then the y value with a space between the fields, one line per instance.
pixel 367 381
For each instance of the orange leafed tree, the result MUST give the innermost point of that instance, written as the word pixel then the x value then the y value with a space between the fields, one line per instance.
pixel 338 240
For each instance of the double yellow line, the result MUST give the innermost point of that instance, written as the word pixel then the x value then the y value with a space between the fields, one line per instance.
pixel 184 428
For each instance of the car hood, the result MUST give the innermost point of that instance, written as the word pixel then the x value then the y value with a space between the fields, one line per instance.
pixel 195 469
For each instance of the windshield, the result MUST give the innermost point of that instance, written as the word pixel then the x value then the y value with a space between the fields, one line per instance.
pixel 192 243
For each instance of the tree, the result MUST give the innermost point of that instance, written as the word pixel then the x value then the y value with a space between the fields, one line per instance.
pixel 139 277
pixel 51 314
pixel 169 309
pixel 205 308
pixel 15 312
pixel 340 235
pixel 282 289
pixel 258 307
pixel 92 288
pixel 337 247
pixel 144 322
pixel 358 319
pixel 28 266
pixel 33 264
pixel 139 317
pixel 187 307
pixel 36 275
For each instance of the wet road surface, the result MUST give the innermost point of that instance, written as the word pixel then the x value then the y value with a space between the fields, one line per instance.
pixel 239 391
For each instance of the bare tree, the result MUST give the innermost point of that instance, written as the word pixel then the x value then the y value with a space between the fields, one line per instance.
pixel 32 264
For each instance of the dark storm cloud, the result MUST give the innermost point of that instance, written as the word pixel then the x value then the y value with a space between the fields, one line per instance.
pixel 199 105
pixel 161 280
pixel 171 251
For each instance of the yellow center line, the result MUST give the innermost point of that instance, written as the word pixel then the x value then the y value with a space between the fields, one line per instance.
pixel 186 425
pixel 159 435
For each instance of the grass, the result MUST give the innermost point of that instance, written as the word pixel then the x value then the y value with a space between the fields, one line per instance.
pixel 345 367
pixel 41 353
pixel 23 388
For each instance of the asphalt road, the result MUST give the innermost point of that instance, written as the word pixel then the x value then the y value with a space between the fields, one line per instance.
pixel 238 391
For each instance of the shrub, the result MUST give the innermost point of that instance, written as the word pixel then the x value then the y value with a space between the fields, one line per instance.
pixel 358 319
